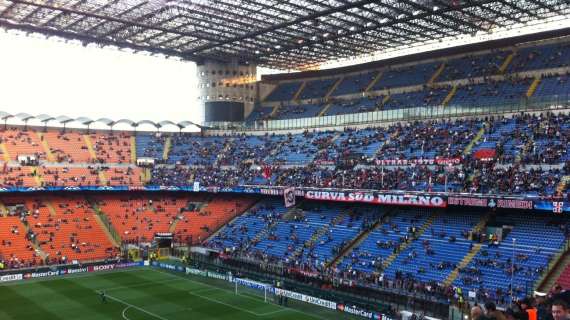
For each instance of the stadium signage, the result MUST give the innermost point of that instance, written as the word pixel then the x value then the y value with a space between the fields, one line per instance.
pixel 76 270
pixel 215 275
pixel 252 284
pixel 104 267
pixel 305 298
pixel 491 202
pixel 196 272
pixel 11 277
pixel 128 265
pixel 167 266
pixel 406 162
pixel 34 275
pixel 380 198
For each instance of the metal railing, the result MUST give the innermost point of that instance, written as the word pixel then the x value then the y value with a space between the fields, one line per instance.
pixel 549 103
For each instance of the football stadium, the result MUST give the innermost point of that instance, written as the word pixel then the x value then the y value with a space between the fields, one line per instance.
pixel 330 159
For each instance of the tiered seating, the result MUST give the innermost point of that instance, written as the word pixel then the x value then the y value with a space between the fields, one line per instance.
pixel 112 147
pixel 353 106
pixel 198 225
pixel 298 111
pixel 15 249
pixel 250 148
pixel 284 91
pixel 537 240
pixel 288 235
pixel 553 87
pixel 17 177
pixel 381 243
pixel 424 98
pixel 150 146
pixel 193 150
pixel 242 232
pixel 296 150
pixel 317 88
pixel 354 83
pixel 138 218
pixel 407 76
pixel 491 93
pixel 429 140
pixel 70 231
pixel 68 147
pixel 260 113
pixel 340 234
pixel 438 251
pixel 20 142
pixel 69 176
pixel 541 57
pixel 130 176
pixel 473 66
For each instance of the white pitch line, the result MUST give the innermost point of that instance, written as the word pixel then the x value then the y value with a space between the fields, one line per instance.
pixel 231 291
pixel 236 307
pixel 124 315
pixel 135 307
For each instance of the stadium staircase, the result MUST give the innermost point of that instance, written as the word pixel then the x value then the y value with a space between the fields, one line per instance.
pixel 90 148
pixel 146 175
pixel 290 213
pixel 34 242
pixel 373 82
pixel 3 209
pixel 37 176
pixel 5 153
pixel 333 88
pixel 449 96
pixel 533 86
pixel 384 101
pixel 167 146
pixel 506 63
pixel 388 261
pixel 172 227
pixel 359 239
pixel 51 208
pixel 476 139
pixel 217 231
pixel 45 145
pixel 274 112
pixel 133 150
pixel 480 226
pixel 296 95
pixel 325 109
pixel 436 75
pixel 466 260
pixel 102 178
pixel 106 225
pixel 557 268
pixel 525 149
pixel 317 235
pixel 563 184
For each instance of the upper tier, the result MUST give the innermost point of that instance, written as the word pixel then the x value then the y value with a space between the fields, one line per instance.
pixel 494 77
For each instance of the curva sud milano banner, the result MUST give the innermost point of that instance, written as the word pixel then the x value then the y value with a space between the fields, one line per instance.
pixel 419 199
pixel 378 198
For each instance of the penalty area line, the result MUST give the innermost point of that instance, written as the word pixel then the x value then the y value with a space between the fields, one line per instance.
pixel 154 315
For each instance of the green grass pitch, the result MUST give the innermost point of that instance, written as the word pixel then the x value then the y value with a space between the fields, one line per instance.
pixel 137 294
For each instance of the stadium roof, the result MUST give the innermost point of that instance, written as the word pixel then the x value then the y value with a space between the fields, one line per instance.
pixel 282 34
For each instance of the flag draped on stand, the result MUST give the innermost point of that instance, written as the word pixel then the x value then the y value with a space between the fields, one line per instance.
pixel 289 197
